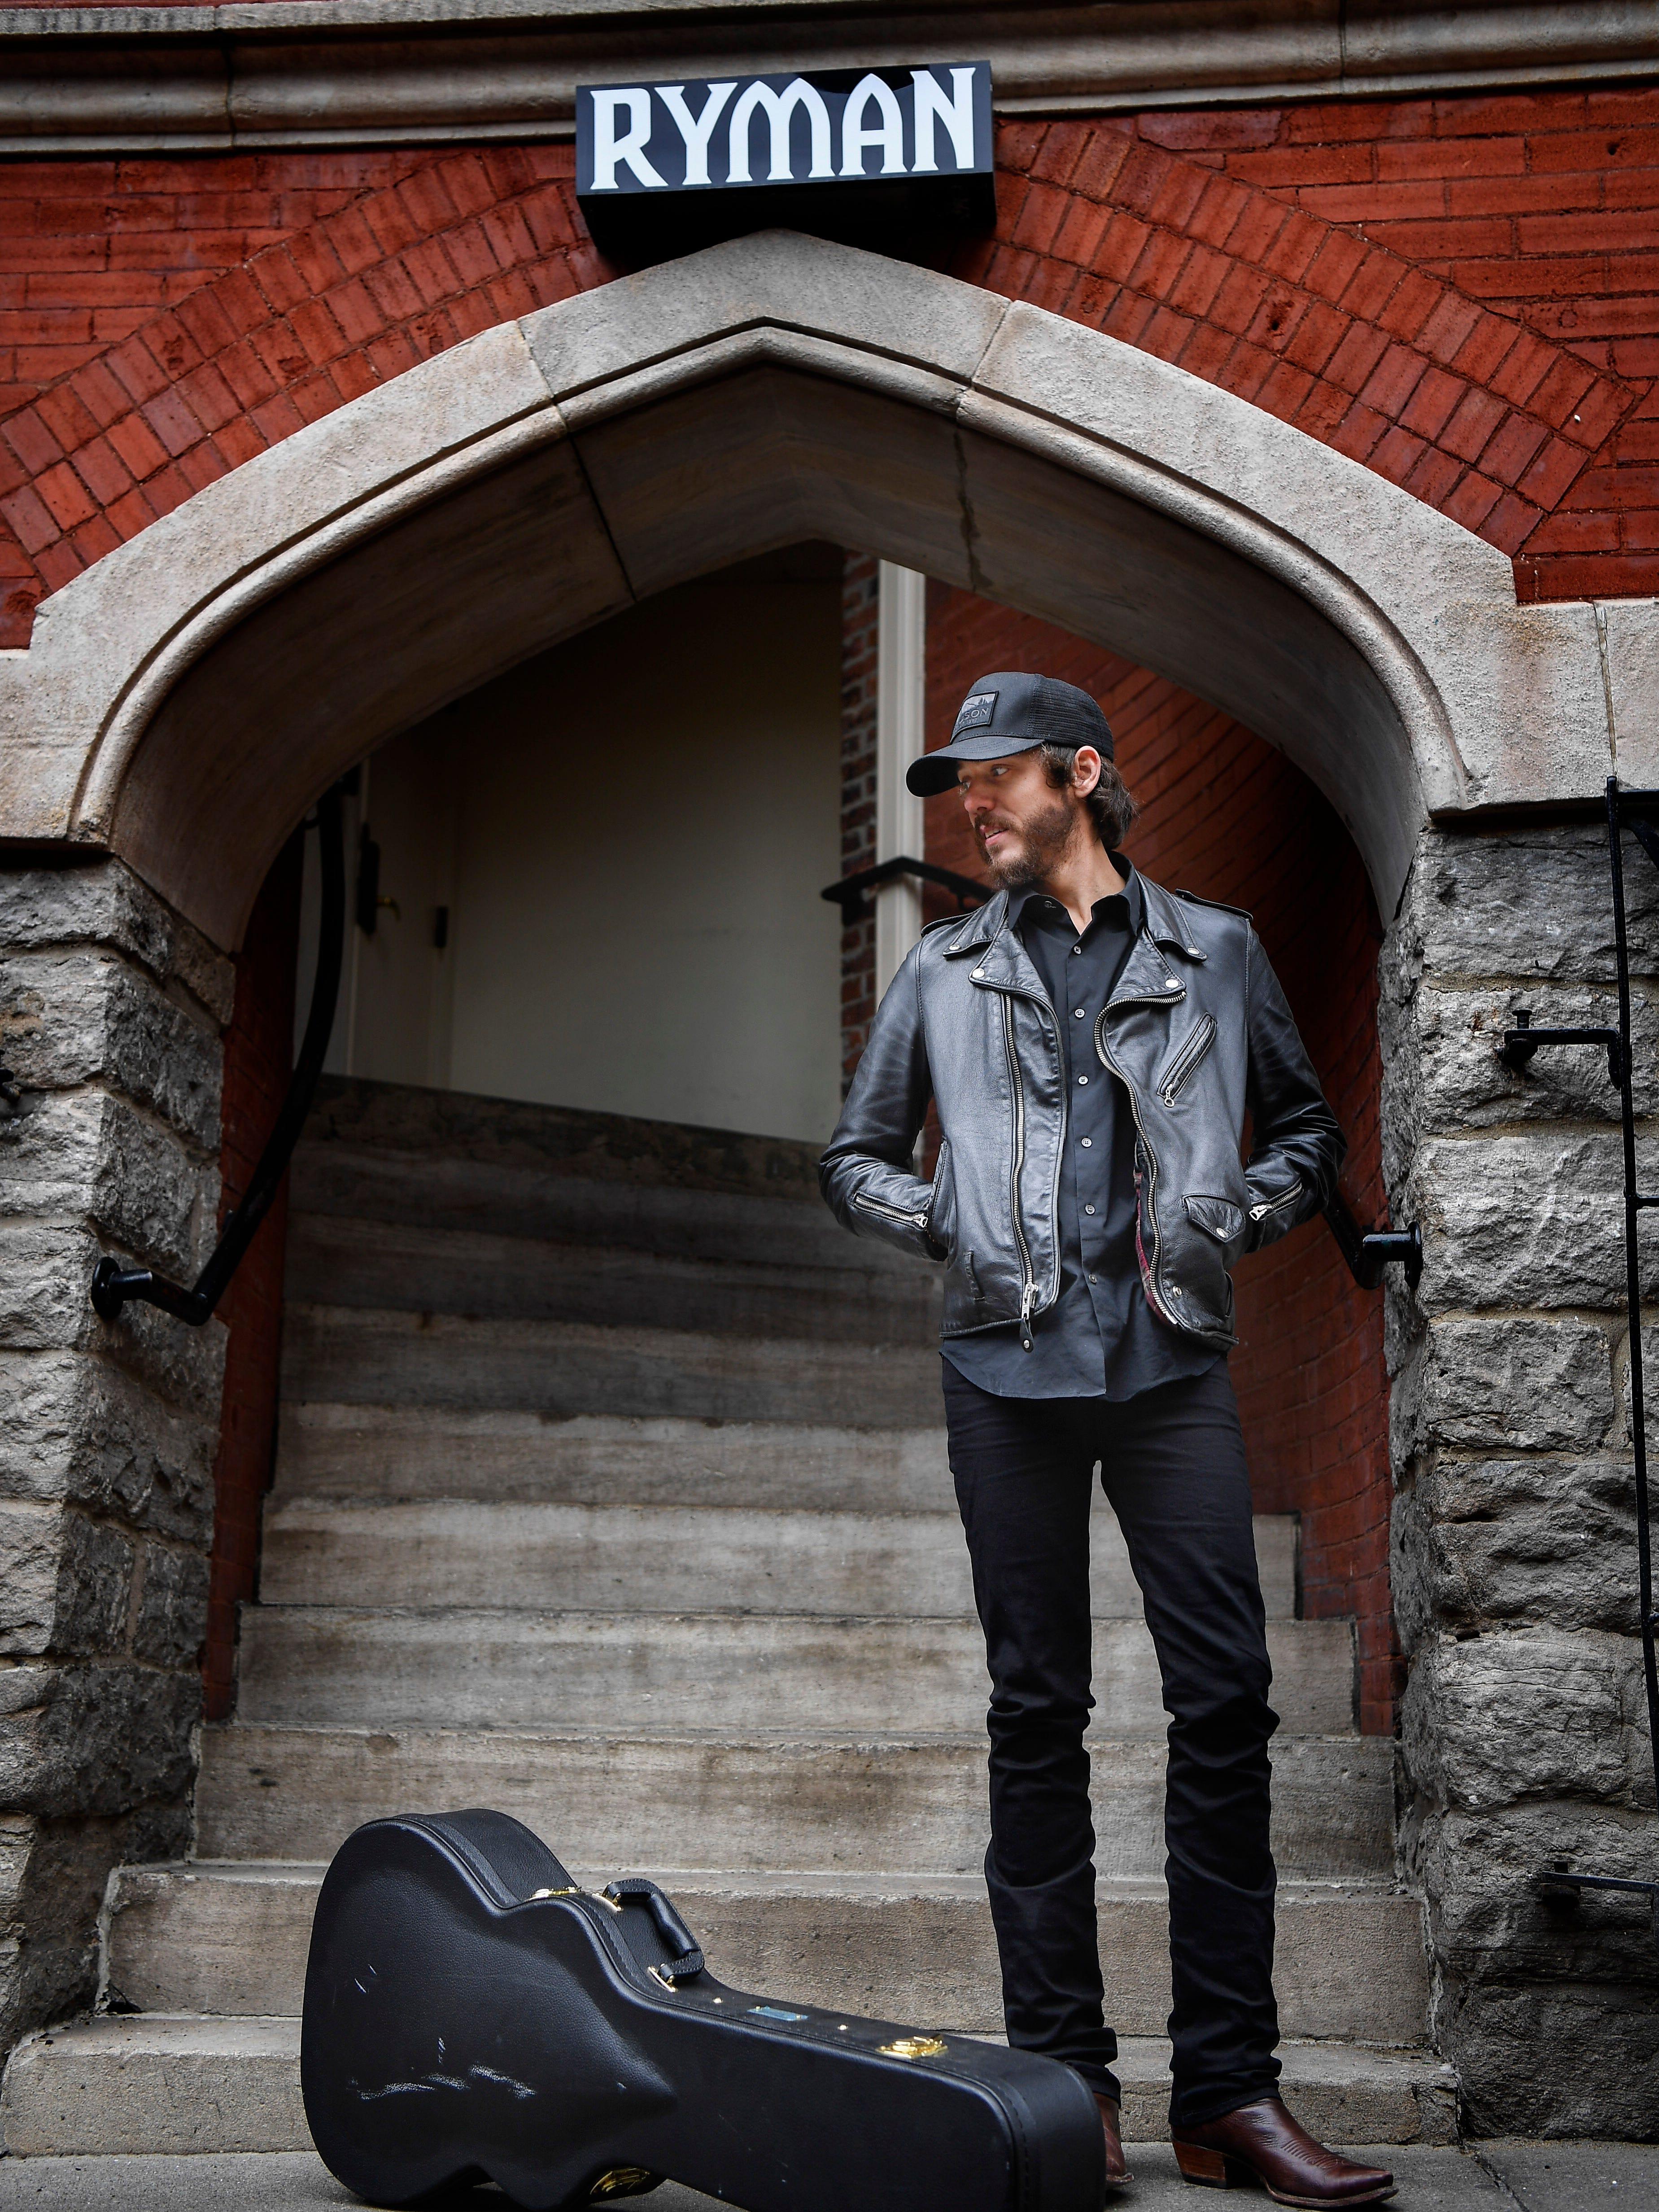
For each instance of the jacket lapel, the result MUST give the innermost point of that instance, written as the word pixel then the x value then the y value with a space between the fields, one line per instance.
pixel 1000 961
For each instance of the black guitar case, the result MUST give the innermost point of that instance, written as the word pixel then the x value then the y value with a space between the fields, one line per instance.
pixel 471 2015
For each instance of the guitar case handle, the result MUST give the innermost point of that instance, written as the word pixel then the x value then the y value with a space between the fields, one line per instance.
pixel 684 1958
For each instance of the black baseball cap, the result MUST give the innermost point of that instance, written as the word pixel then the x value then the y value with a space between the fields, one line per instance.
pixel 1009 714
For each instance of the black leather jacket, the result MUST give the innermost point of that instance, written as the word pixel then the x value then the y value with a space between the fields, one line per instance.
pixel 1197 1028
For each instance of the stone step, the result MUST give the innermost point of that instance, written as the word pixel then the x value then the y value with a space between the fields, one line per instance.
pixel 324 1666
pixel 439 1191
pixel 166 2083
pixel 862 1803
pixel 345 1260
pixel 595 1459
pixel 351 1354
pixel 213 1937
pixel 667 1559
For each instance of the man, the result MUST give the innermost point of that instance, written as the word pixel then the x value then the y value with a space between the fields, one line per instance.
pixel 1093 1043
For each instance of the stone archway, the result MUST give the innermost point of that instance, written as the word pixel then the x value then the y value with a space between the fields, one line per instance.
pixel 182 702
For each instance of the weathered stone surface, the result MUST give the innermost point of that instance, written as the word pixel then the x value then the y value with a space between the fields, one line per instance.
pixel 81 1016
pixel 171 1614
pixel 106 904
pixel 86 1153
pixel 53 1875
pixel 1479 1872
pixel 45 1269
pixel 1533 1712
pixel 67 1586
pixel 1442 1041
pixel 1517 1383
pixel 1481 1541
pixel 87 1432
pixel 1549 2003
pixel 1533 1220
pixel 99 1740
pixel 1525 904
pixel 1599 2046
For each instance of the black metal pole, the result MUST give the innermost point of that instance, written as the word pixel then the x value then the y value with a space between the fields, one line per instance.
pixel 1633 1276
pixel 113 1284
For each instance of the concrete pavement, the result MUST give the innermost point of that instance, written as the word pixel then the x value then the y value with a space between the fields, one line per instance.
pixel 1496 2176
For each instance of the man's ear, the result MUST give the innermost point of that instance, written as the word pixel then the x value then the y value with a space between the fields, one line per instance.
pixel 1086 764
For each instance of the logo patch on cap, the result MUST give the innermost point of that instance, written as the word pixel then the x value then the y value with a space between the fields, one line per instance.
pixel 976 713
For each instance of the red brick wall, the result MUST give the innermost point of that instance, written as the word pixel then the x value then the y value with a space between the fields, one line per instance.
pixel 1229 817
pixel 162 321
pixel 1460 294
pixel 258 1058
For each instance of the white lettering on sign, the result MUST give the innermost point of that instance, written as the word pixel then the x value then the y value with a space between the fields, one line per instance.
pixel 956 114
pixel 778 107
pixel 856 135
pixel 608 148
pixel 847 128
pixel 696 131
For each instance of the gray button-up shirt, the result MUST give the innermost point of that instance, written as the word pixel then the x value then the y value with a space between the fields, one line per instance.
pixel 1100 1338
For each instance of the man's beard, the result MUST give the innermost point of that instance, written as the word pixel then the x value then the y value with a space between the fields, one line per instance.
pixel 1044 837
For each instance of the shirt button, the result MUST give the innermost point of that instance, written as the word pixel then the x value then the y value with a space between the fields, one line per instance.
pixel 1078 1012
pixel 1094 1279
pixel 1083 1078
pixel 1087 1141
pixel 1076 949
pixel 1087 1209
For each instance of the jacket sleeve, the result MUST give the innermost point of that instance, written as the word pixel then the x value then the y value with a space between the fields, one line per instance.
pixel 1297 1146
pixel 865 1176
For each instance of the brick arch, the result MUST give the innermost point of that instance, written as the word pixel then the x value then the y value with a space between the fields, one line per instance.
pixel 183 696
pixel 1491 424
pixel 452 245
pixel 1472 411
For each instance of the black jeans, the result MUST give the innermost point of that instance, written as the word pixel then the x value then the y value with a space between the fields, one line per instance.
pixel 1172 1464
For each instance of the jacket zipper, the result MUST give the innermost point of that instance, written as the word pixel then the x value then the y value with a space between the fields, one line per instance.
pixel 1188 1059
pixel 1144 1201
pixel 889 1212
pixel 1028 1274
pixel 1267 1205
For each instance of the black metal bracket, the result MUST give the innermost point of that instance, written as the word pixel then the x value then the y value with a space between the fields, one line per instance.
pixel 1369 1251
pixel 113 1284
pixel 1559 1878
pixel 849 894
pixel 1521 1042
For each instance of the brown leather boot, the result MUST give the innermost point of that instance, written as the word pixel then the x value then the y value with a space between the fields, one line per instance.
pixel 1262 2142
pixel 1110 2119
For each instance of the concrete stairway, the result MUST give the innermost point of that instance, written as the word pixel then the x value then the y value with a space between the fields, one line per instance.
pixel 611 1492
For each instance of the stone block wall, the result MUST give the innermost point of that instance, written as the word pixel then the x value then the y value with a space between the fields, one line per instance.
pixel 110 1016
pixel 1524 1728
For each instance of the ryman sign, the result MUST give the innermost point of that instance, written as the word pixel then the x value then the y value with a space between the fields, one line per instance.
pixel 853 153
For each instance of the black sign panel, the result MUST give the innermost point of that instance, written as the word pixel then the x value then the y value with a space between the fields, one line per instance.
pixel 849 153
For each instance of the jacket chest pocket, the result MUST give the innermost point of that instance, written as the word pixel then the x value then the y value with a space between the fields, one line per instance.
pixel 1187 1060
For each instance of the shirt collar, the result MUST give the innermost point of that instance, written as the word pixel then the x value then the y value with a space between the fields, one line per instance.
pixel 1131 894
